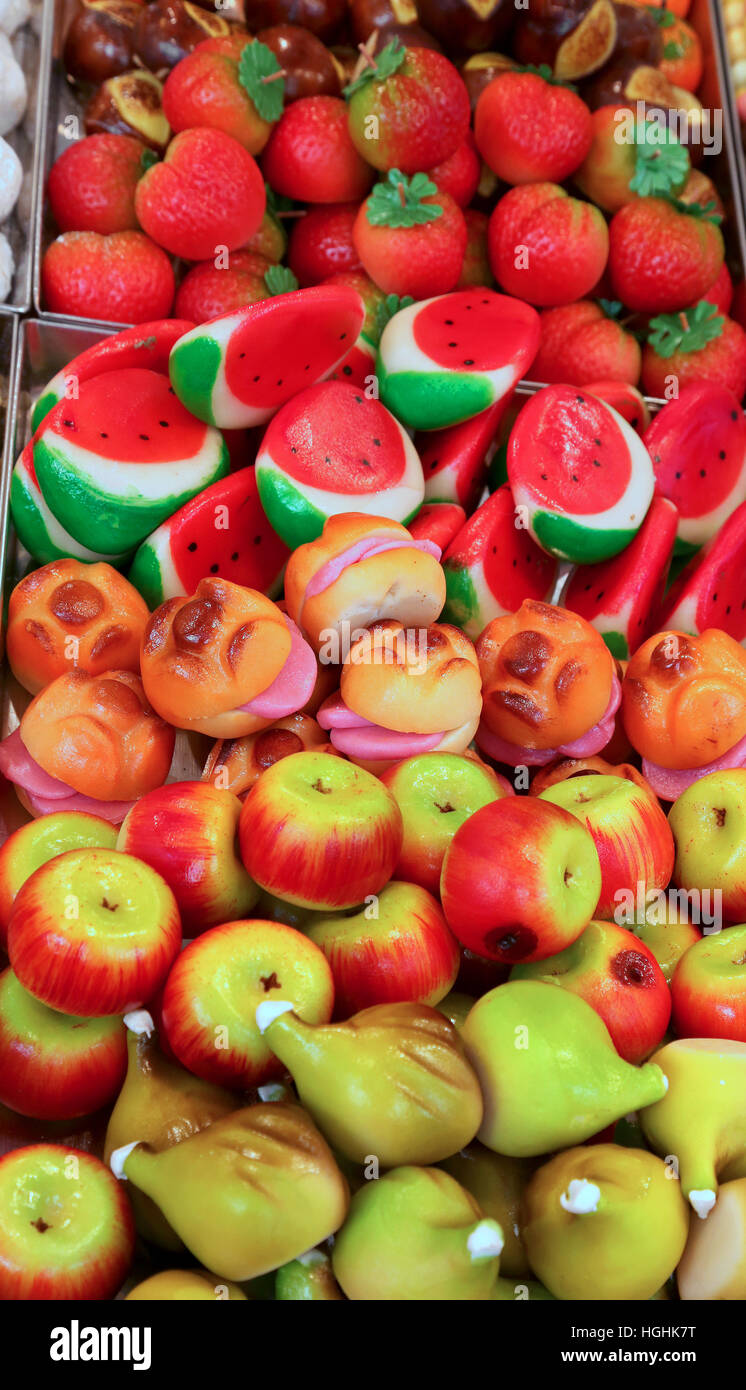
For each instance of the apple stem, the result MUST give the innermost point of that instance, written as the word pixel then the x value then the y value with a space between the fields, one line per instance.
pixel 271 1009
pixel 581 1197
pixel 119 1157
pixel 139 1021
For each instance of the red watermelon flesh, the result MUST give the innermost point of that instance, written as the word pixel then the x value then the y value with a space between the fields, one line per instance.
pixel 625 399
pixel 478 330
pixel 710 590
pixel 622 594
pixel 246 550
pixel 287 342
pixel 455 460
pixel 146 345
pixel 697 444
pixel 514 566
pixel 334 437
pixel 131 417
pixel 439 522
pixel 569 451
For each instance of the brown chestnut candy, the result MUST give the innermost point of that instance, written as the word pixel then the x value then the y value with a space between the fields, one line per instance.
pixel 638 34
pixel 411 35
pixel 468 26
pixel 479 70
pixel 367 15
pixel 322 17
pixel 129 104
pixel 574 37
pixel 99 41
pixel 169 29
pixel 309 68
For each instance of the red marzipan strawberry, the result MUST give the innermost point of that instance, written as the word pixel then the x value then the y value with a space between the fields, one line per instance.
pixel 92 184
pixel 310 156
pixel 720 292
pixel 695 345
pixel 321 243
pixel 410 238
pixel 227 84
pixel 475 268
pixel 546 247
pixel 581 343
pixel 207 193
pixel 409 109
pixel 529 131
pixel 208 290
pixel 124 277
pixel 459 175
pixel 663 255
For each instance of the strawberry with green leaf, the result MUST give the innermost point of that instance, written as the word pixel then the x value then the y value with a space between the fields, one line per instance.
pixel 694 345
pixel 233 84
pixel 410 238
pixel 408 108
pixel 208 290
pixel 630 159
pixel 663 254
pixel 682 61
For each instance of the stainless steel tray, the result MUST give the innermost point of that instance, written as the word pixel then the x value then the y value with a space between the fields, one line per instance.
pixel 58 100
pixel 33 52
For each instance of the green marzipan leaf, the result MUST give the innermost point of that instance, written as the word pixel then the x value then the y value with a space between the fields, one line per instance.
pixel 397 202
pixel 689 331
pixel 659 169
pixel 611 307
pixel 664 18
pixel 672 50
pixel 704 212
pixel 258 62
pixel 279 279
pixel 386 309
pixel 544 71
pixel 147 159
pixel 388 61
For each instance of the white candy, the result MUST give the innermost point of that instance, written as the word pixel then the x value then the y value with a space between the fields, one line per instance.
pixel 13 13
pixel 13 95
pixel 11 177
pixel 6 268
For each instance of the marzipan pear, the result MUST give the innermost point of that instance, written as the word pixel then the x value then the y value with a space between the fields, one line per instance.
pixel 550 1074
pixel 416 1234
pixel 701 1122
pixel 603 1222
pixel 308 1279
pixel 160 1104
pixel 391 1082
pixel 255 1189
pixel 713 1266
pixel 497 1183
pixel 456 1007
pixel 181 1285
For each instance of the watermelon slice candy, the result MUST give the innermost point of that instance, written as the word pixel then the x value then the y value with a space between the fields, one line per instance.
pixel 455 460
pixel 117 461
pixel 37 529
pixel 439 522
pixel 697 444
pixel 446 359
pixel 238 369
pixel 583 475
pixel 620 596
pixel 709 592
pixel 625 399
pixel 146 345
pixel 222 531
pixel 492 565
pixel 333 449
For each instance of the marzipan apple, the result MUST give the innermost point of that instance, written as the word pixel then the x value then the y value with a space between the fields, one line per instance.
pixel 708 988
pixel 185 1285
pixel 708 822
pixel 43 839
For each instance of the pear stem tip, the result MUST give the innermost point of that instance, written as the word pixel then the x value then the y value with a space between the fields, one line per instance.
pixel 486 1241
pixel 119 1157
pixel 271 1009
pixel 702 1199
pixel 581 1197
pixel 309 1258
pixel 273 1091
pixel 139 1021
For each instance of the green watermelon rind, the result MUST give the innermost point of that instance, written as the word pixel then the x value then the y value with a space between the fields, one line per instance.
pixel 91 514
pixel 462 604
pixel 193 369
pixel 433 400
pixel 287 510
pixel 146 574
pixel 36 536
pixel 42 408
pixel 584 545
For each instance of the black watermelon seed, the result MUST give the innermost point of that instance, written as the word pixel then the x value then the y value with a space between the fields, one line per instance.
pixel 234 556
pixel 347 371
pixel 703 472
pixel 104 435
pixel 192 545
pixel 214 569
pixel 721 455
pixel 468 361
pixel 145 436
pixel 678 475
pixel 257 540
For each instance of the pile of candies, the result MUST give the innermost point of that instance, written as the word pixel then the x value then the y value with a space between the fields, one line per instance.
pixel 431 985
